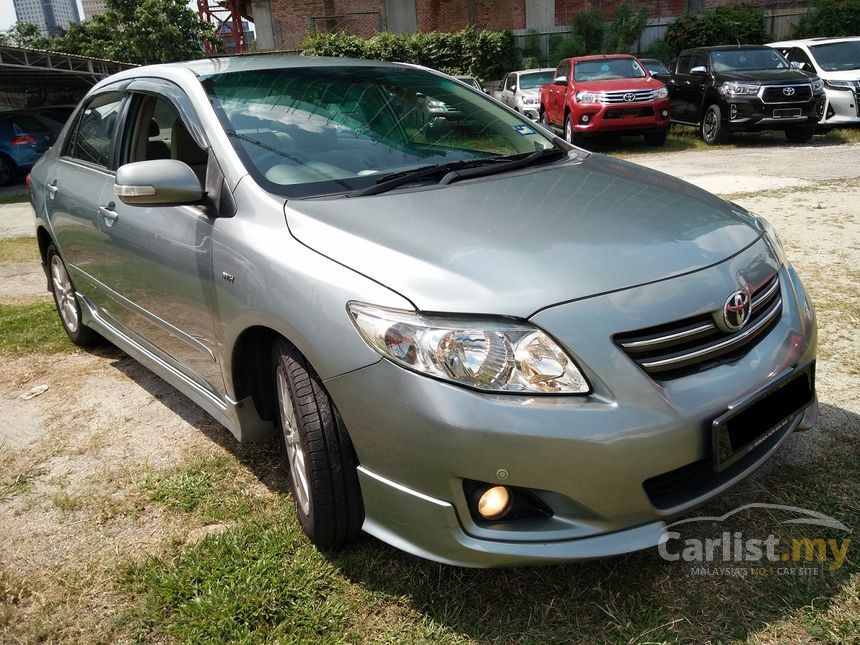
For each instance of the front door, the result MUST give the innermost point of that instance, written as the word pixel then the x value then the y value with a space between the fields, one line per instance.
pixel 161 256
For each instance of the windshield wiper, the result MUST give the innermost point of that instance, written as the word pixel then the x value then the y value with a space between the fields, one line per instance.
pixel 453 170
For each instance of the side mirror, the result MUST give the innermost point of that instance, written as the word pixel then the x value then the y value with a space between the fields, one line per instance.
pixel 560 80
pixel 165 182
pixel 699 70
pixel 796 64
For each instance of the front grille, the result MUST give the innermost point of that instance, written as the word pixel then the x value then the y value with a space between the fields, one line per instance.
pixel 694 344
pixel 620 113
pixel 775 94
pixel 619 96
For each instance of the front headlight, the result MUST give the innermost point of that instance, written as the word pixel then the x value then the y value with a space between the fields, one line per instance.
pixel 730 88
pixel 490 355
pixel 661 93
pixel 817 84
pixel 588 97
pixel 838 85
pixel 772 239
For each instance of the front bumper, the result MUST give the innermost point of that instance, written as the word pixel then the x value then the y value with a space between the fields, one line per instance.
pixel 621 117
pixel 751 114
pixel 842 107
pixel 418 439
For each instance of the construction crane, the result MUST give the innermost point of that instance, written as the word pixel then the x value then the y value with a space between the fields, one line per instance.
pixel 226 16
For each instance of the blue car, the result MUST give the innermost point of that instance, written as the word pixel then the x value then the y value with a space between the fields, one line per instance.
pixel 24 138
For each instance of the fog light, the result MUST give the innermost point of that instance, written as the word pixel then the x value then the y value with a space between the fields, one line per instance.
pixel 664 113
pixel 733 111
pixel 584 118
pixel 494 503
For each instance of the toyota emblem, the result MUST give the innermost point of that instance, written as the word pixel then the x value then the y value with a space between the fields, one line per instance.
pixel 630 96
pixel 736 311
pixel 788 91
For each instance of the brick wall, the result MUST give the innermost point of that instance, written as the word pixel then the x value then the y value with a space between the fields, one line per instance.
pixel 566 9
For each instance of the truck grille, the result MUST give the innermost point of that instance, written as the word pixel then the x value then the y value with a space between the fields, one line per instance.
pixel 623 96
pixel 775 94
pixel 694 344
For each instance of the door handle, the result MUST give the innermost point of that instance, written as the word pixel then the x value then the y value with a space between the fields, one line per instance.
pixel 108 212
pixel 52 189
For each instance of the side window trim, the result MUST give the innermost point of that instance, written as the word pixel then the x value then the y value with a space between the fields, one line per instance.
pixel 176 97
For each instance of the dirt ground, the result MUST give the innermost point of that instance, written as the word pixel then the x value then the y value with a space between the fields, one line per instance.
pixel 73 458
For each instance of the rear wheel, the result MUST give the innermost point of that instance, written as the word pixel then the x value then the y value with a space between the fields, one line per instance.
pixel 65 297
pixel 714 131
pixel 656 138
pixel 7 171
pixel 801 134
pixel 318 452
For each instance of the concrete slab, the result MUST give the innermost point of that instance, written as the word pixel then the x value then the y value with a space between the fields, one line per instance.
pixel 17 220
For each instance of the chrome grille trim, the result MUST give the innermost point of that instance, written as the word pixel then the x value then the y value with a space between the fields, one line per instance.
pixel 802 93
pixel 727 344
pixel 693 344
pixel 617 96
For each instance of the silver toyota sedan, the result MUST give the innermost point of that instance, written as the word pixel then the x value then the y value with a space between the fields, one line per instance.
pixel 475 342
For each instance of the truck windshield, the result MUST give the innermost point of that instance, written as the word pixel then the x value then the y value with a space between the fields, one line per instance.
pixel 739 60
pixel 535 80
pixel 607 69
pixel 309 131
pixel 837 57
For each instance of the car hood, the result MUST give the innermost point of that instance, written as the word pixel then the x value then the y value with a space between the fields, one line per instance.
pixel 535 91
pixel 844 75
pixel 512 244
pixel 767 76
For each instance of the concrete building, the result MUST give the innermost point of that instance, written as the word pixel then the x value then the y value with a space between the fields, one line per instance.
pixel 93 8
pixel 49 16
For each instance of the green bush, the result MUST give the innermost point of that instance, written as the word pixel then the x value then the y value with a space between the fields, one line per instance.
pixel 830 18
pixel 720 26
pixel 482 54
pixel 659 50
pixel 627 25
pixel 586 29
pixel 561 47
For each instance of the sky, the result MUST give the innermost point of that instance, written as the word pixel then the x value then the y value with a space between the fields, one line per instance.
pixel 7 12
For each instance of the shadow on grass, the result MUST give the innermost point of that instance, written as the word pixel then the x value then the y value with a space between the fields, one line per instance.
pixel 632 598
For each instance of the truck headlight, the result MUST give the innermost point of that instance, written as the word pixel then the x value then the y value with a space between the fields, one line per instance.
pixel 731 88
pixel 817 84
pixel 838 85
pixel 587 97
pixel 661 93
pixel 487 354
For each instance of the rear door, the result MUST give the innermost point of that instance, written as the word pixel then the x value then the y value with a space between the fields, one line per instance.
pixel 77 184
pixel 161 256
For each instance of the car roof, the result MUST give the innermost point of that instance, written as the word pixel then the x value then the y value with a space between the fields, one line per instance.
pixel 535 70
pixel 579 59
pixel 813 41
pixel 719 48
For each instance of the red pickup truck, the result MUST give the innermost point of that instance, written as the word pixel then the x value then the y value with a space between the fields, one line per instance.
pixel 605 94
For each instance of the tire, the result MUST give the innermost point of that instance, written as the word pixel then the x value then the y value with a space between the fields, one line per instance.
pixel 713 130
pixel 7 171
pixel 656 138
pixel 66 301
pixel 317 451
pixel 569 135
pixel 542 118
pixel 800 134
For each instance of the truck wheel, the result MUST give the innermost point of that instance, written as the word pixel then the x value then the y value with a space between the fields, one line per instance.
pixel 656 138
pixel 714 131
pixel 542 118
pixel 801 134
pixel 318 452
pixel 569 135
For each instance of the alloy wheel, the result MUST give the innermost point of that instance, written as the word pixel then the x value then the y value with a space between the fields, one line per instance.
pixel 709 128
pixel 65 294
pixel 295 452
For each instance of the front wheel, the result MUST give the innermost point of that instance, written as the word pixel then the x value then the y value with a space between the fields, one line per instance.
pixel 800 134
pixel 569 135
pixel 66 300
pixel 656 138
pixel 318 452
pixel 714 131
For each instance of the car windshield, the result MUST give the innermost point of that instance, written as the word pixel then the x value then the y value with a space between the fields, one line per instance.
pixel 837 57
pixel 607 69
pixel 535 80
pixel 739 60
pixel 308 131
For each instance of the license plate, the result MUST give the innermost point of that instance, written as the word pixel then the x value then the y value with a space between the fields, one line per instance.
pixel 753 420
pixel 786 112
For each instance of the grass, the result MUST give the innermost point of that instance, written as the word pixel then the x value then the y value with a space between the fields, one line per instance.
pixel 32 327
pixel 15 198
pixel 19 249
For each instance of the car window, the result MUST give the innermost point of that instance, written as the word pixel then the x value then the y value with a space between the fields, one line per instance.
pixel 159 133
pixel 607 69
pixel 512 83
pixel 838 57
pixel 797 55
pixel 313 131
pixel 25 123
pixel 563 69
pixel 91 138
pixel 732 60
pixel 684 64
pixel 534 80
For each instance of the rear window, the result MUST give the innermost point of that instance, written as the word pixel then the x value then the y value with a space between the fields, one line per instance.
pixel 26 123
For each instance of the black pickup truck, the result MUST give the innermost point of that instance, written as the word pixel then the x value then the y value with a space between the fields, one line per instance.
pixel 743 88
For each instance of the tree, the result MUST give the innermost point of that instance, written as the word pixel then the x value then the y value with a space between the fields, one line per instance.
pixel 830 18
pixel 144 31
pixel 25 34
pixel 627 25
